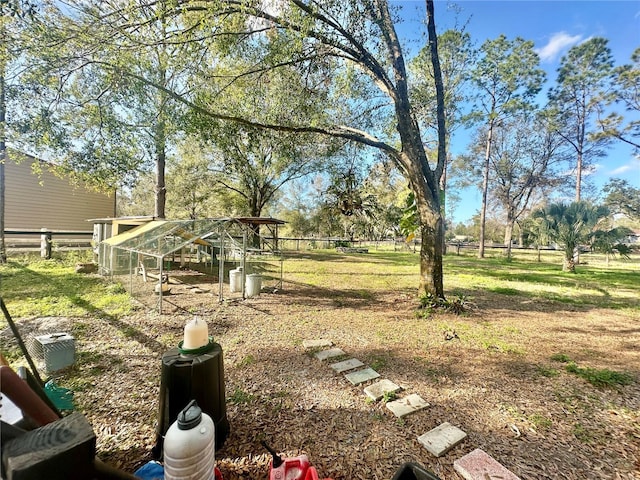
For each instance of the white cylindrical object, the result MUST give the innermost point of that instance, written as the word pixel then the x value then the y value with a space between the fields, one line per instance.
pixel 254 284
pixel 189 446
pixel 196 334
pixel 235 280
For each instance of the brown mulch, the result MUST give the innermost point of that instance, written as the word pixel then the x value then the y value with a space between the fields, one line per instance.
pixel 495 381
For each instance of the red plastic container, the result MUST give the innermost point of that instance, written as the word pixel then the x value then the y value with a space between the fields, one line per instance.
pixel 297 468
pixel 312 474
pixel 290 469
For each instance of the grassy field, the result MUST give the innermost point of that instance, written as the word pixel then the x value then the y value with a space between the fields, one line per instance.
pixel 50 287
pixel 32 287
pixel 541 370
pixel 595 283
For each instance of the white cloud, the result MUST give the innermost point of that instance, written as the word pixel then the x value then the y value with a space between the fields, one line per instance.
pixel 622 169
pixel 633 165
pixel 557 43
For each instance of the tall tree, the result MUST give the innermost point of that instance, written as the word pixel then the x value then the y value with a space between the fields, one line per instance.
pixel 252 163
pixel 580 93
pixel 622 198
pixel 625 91
pixel 101 125
pixel 9 11
pixel 191 187
pixel 3 128
pixel 524 164
pixel 340 37
pixel 456 56
pixel 507 77
pixel 357 39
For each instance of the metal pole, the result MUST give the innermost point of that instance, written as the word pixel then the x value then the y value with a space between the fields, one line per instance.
pixel 160 280
pixel 131 273
pixel 243 260
pixel 220 266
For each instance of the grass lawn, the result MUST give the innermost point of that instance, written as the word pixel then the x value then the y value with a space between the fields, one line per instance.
pixel 541 371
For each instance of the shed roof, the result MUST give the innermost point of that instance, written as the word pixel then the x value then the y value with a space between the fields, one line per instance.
pixel 134 232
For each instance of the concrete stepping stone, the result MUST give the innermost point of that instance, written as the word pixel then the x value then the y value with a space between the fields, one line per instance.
pixel 376 391
pixel 317 343
pixel 346 365
pixel 361 376
pixel 479 465
pixel 326 354
pixel 442 439
pixel 405 406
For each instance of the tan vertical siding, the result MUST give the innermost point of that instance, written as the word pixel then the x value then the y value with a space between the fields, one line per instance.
pixel 34 201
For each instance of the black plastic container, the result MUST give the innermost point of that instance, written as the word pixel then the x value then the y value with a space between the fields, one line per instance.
pixel 187 377
pixel 414 471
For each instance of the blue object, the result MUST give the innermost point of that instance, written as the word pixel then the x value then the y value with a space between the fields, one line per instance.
pixel 150 471
pixel 61 397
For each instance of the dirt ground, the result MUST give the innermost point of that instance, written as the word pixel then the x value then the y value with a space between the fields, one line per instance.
pixel 494 379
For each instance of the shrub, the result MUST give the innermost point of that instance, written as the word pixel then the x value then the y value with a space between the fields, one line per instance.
pixel 428 303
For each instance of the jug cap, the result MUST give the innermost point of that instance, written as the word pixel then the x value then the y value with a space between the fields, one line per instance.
pixel 190 416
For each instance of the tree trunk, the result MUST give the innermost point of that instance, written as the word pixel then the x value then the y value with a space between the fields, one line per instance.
pixel 255 210
pixel 508 237
pixel 443 205
pixel 431 276
pixel 569 265
pixel 576 254
pixel 160 188
pixel 3 159
pixel 160 141
pixel 160 133
pixel 485 188
pixel 578 176
pixel 440 117
pixel 520 235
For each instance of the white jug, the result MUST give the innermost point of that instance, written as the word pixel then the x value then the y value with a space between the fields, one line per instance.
pixel 189 446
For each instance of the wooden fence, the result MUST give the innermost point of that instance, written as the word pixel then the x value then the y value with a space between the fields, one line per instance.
pixel 46 241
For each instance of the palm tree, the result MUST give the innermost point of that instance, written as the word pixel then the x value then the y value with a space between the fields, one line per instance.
pixel 571 226
pixel 609 243
pixel 538 233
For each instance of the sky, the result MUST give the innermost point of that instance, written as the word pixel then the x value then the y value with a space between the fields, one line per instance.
pixel 554 27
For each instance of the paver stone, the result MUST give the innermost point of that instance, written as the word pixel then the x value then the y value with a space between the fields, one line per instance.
pixel 479 465
pixel 346 365
pixel 378 389
pixel 317 343
pixel 326 354
pixel 442 439
pixel 361 376
pixel 405 406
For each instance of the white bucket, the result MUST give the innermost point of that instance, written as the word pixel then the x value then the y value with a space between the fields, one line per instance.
pixel 189 446
pixel 254 285
pixel 235 280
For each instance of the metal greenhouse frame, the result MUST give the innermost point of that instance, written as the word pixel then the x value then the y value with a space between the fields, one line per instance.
pixel 226 238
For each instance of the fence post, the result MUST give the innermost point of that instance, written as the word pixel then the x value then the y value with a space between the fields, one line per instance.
pixel 45 243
